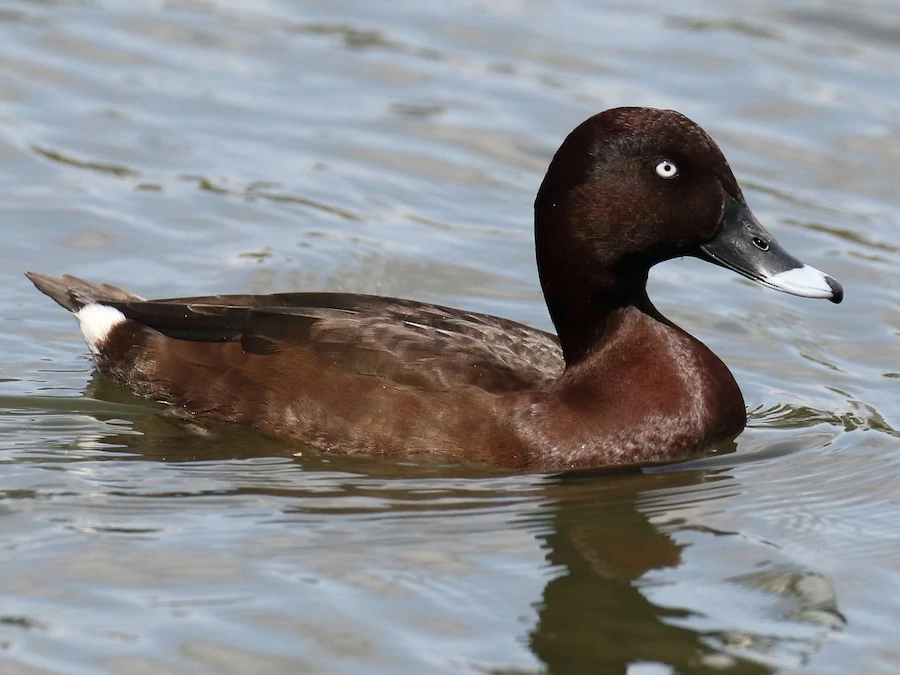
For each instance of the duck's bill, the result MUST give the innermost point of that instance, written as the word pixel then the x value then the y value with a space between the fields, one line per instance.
pixel 744 246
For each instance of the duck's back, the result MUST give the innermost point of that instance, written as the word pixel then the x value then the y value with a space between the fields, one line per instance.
pixel 423 345
pixel 418 344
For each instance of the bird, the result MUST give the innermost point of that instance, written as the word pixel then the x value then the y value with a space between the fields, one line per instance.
pixel 618 384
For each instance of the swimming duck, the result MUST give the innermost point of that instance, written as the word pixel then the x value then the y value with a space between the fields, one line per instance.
pixel 618 384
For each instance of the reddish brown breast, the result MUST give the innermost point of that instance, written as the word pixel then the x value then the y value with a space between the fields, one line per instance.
pixel 648 392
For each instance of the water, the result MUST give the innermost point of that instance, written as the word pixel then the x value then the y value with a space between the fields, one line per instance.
pixel 192 147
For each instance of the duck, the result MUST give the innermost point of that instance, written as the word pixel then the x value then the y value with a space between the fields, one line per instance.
pixel 618 384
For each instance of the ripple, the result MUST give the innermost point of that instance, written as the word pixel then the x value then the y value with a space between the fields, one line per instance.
pixel 862 417
pixel 248 190
pixel 397 149
pixel 100 167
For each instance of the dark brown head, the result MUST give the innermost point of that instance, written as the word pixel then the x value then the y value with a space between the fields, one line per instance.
pixel 631 187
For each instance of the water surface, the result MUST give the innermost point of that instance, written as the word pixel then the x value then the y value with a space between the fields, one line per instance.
pixel 201 146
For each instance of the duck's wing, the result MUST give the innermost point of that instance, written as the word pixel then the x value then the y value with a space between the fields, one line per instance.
pixel 420 344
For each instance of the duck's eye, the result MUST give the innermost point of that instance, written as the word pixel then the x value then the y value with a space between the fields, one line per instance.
pixel 667 169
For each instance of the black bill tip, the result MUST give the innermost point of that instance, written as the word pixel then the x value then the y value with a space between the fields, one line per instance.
pixel 837 291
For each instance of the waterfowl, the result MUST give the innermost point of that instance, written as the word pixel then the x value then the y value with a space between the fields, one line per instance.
pixel 618 384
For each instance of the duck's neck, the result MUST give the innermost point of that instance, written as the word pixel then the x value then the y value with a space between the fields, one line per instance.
pixel 584 310
pixel 585 276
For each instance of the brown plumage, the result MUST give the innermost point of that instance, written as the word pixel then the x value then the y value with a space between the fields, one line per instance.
pixel 365 374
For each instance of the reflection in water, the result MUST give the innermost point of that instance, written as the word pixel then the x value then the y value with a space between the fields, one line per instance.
pixel 595 615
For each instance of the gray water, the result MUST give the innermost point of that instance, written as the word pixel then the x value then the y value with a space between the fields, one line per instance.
pixel 200 146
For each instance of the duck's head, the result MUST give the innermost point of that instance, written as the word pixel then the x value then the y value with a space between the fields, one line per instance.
pixel 631 187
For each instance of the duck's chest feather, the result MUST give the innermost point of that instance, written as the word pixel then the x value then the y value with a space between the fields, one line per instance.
pixel 648 392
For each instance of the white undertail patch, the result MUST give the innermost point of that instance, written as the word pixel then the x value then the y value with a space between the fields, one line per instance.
pixel 96 322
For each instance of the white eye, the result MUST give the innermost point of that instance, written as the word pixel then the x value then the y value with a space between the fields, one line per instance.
pixel 667 169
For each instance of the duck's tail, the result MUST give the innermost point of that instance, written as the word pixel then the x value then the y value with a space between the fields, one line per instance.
pixel 74 293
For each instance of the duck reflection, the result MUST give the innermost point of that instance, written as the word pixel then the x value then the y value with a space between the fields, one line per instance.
pixel 595 615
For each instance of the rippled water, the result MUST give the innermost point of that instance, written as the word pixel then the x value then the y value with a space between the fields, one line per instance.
pixel 199 146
